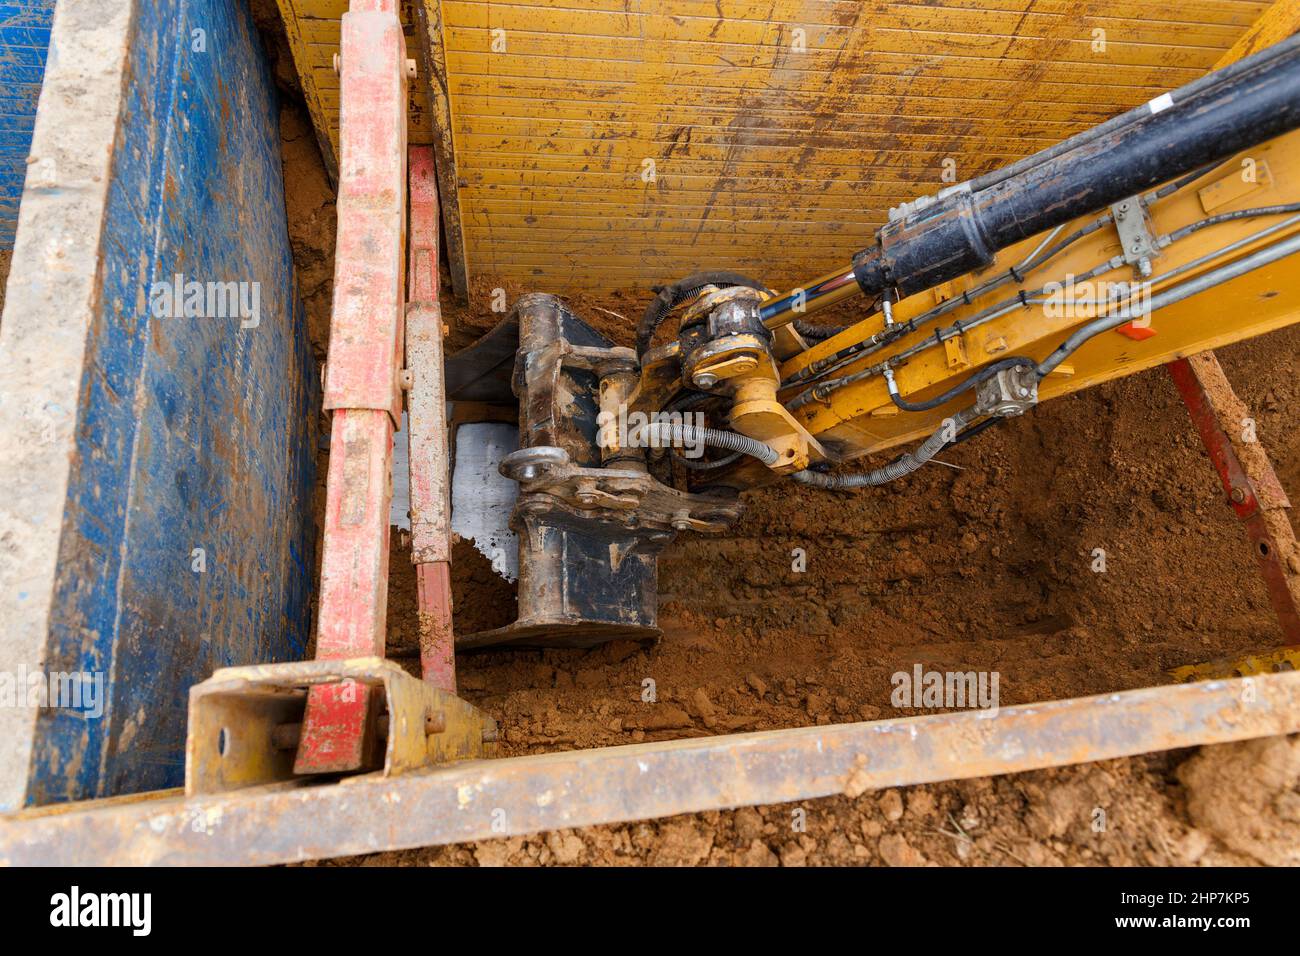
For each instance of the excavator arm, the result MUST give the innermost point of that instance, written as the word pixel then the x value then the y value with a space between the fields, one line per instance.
pixel 1157 235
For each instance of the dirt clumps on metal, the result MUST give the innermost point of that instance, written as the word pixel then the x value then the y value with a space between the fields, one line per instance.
pixel 6 257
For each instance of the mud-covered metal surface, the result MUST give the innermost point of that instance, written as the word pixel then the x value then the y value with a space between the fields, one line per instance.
pixel 243 722
pixel 488 799
pixel 172 391
pixel 24 39
pixel 590 527
pixel 24 42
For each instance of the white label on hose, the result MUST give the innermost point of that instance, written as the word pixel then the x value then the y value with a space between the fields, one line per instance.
pixel 1161 103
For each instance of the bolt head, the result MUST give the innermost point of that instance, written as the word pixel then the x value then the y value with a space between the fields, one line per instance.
pixel 706 380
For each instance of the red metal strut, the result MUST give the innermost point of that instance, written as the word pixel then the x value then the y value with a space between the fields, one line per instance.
pixel 362 382
pixel 427 426
pixel 1248 479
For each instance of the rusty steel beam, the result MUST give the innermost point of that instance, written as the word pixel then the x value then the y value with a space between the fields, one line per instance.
pixel 362 380
pixel 430 455
pixel 429 30
pixel 480 800
pixel 1249 482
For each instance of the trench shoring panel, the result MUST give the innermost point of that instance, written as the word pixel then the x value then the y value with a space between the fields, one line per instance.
pixel 155 509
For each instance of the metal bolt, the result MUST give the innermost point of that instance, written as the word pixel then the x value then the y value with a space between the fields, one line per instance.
pixel 1238 495
pixel 528 473
pixel 706 380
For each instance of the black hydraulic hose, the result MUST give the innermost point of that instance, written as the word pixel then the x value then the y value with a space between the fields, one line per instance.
pixel 974 430
pixel 1201 124
pixel 818 333
pixel 678 434
pixel 905 464
pixel 1279 210
pixel 1198 85
pixel 683 290
pixel 902 461
pixel 979 377
pixel 693 465
pixel 1168 189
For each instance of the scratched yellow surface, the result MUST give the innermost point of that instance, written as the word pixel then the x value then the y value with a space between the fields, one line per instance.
pixel 780 131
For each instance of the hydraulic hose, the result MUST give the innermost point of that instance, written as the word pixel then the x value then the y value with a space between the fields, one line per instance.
pixel 683 290
pixel 1184 290
pixel 680 434
pixel 818 333
pixel 905 464
pixel 1278 210
pixel 692 465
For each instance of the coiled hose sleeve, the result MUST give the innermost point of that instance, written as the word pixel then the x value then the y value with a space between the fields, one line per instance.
pixel 692 465
pixel 905 464
pixel 683 290
pixel 678 434
pixel 818 332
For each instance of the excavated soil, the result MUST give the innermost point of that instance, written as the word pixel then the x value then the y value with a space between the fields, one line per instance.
pixel 985 564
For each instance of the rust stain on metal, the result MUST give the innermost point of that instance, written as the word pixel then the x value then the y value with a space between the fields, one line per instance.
pixel 479 800
pixel 1250 484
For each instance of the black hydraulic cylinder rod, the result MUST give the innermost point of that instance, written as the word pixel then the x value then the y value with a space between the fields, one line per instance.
pixel 963 230
pixel 1281 48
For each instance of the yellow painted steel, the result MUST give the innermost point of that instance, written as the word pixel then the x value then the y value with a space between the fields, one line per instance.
pixel 862 416
pixel 1265 662
pixel 780 131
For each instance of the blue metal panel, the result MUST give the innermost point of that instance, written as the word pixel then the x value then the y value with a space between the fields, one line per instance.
pixel 24 37
pixel 193 433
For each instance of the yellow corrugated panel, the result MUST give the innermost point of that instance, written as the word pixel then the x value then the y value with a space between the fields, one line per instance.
pixel 779 131
pixel 312 27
